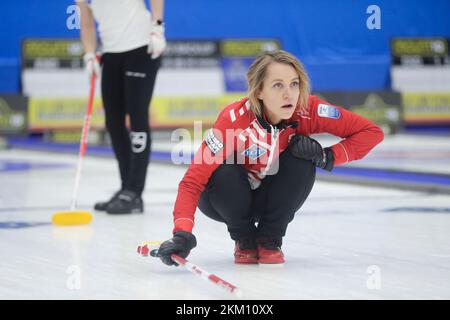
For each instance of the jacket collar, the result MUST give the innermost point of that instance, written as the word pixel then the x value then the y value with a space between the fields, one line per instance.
pixel 280 126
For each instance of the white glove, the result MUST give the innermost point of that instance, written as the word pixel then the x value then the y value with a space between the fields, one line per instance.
pixel 157 42
pixel 91 65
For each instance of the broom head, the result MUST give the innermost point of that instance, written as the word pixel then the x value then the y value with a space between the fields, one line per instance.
pixel 71 218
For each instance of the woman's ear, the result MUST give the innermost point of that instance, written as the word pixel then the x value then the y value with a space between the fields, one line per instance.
pixel 260 95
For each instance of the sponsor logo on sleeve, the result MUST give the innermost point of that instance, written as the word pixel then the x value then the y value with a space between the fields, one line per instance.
pixel 327 111
pixel 213 143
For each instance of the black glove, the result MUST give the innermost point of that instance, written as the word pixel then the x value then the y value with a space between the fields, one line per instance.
pixel 181 244
pixel 309 149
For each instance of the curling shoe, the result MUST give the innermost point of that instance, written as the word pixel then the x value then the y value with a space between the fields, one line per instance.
pixel 101 206
pixel 245 251
pixel 126 202
pixel 269 251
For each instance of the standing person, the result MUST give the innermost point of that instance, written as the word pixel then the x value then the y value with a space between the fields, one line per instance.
pixel 132 42
pixel 257 165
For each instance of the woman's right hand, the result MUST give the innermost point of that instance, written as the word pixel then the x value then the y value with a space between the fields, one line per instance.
pixel 181 244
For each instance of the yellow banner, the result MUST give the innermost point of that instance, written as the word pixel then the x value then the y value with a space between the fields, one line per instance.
pixel 183 111
pixel 426 107
pixel 246 48
pixel 58 49
pixel 165 112
pixel 420 47
pixel 62 113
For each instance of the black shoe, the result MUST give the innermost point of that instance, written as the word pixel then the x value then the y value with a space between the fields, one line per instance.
pixel 101 206
pixel 126 202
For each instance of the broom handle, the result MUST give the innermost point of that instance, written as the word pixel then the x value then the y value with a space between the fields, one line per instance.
pixel 195 269
pixel 206 275
pixel 83 142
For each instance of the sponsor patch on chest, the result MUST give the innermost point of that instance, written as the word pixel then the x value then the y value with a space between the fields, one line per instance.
pixel 327 111
pixel 254 152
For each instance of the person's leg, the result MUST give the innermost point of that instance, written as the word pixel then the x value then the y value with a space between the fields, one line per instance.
pixel 227 198
pixel 139 74
pixel 277 200
pixel 139 78
pixel 114 107
pixel 283 194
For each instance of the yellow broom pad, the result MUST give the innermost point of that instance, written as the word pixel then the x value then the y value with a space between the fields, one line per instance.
pixel 71 218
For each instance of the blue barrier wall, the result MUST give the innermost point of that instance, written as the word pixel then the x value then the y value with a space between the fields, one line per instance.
pixel 329 36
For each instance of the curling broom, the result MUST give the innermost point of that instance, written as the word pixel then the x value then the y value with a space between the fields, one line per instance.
pixel 73 216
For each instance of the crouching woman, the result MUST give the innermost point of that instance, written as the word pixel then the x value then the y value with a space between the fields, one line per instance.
pixel 257 166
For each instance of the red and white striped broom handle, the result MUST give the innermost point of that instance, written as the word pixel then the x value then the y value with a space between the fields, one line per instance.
pixel 206 275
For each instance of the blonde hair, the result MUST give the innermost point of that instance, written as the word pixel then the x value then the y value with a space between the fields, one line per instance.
pixel 258 71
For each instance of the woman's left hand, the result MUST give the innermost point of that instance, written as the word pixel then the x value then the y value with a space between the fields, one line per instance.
pixel 307 148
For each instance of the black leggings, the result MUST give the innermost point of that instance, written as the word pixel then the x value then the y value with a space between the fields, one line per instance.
pixel 228 197
pixel 128 79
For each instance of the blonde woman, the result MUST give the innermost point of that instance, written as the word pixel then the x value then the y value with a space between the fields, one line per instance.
pixel 257 165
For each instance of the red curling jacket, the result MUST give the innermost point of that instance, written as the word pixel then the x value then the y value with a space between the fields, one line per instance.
pixel 239 136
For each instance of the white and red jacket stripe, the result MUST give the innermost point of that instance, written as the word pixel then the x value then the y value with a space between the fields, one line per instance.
pixel 239 136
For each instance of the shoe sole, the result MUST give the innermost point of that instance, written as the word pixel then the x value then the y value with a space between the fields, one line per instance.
pixel 271 261
pixel 246 262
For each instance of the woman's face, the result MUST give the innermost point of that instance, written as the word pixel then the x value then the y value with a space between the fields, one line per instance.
pixel 280 93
